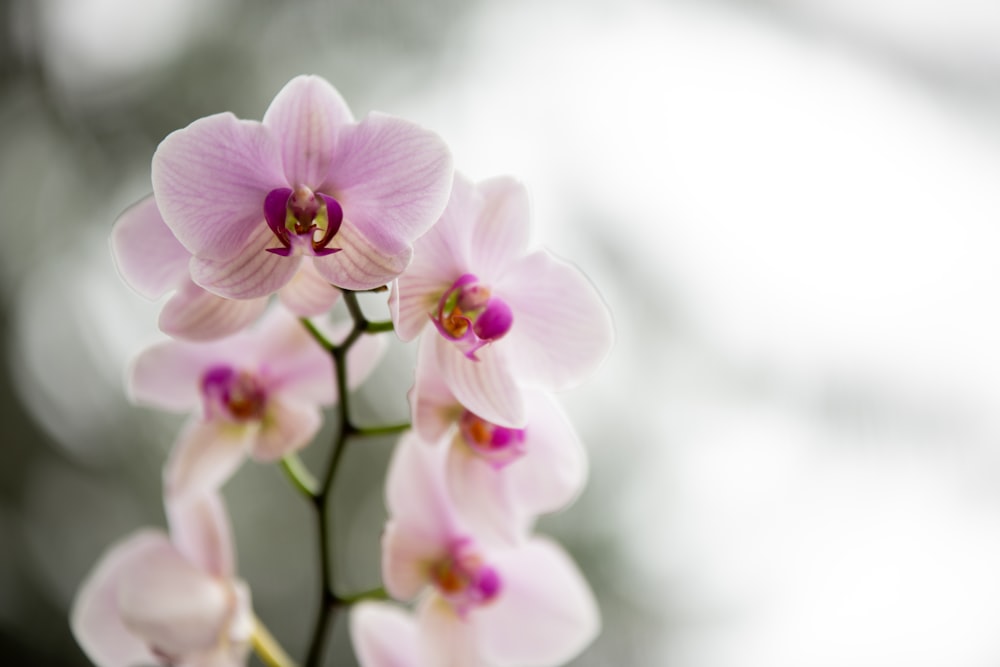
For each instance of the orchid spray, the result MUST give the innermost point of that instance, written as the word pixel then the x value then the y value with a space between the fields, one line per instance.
pixel 311 206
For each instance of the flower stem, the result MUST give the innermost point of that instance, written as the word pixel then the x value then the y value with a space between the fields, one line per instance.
pixel 267 647
pixel 375 431
pixel 301 478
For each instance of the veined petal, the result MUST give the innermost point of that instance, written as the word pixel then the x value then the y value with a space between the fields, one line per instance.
pixel 288 426
pixel 449 640
pixel 486 387
pixel 194 313
pixel 200 530
pixel 305 115
pixel 308 294
pixel 252 272
pixel 361 264
pixel 554 468
pixel 95 618
pixel 383 635
pixel 546 614
pixel 176 607
pixel 168 374
pixel 149 257
pixel 435 408
pixel 210 180
pixel 502 229
pixel 413 298
pixel 206 454
pixel 562 327
pixel 392 178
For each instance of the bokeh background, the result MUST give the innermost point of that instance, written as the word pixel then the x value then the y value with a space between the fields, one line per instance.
pixel 791 206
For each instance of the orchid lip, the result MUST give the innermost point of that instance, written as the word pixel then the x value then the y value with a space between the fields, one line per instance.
pixel 498 445
pixel 470 316
pixel 297 216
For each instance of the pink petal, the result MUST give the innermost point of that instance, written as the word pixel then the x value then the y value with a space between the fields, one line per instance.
pixel 288 426
pixel 449 640
pixel 416 493
pixel 148 256
pixel 308 294
pixel 407 555
pixel 392 179
pixel 562 328
pixel 499 235
pixel 176 607
pixel 206 454
pixel 194 313
pixel 168 375
pixel 361 264
pixel 200 530
pixel 486 387
pixel 251 273
pixel 546 614
pixel 553 470
pixel 210 180
pixel 384 635
pixel 482 495
pixel 305 115
pixel 435 409
pixel 94 617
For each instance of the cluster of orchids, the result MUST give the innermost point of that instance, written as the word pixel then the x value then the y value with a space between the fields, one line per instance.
pixel 313 207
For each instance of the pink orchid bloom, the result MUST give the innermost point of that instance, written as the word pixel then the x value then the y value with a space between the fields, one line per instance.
pixel 505 316
pixel 500 478
pixel 257 393
pixel 153 262
pixel 527 605
pixel 158 600
pixel 250 199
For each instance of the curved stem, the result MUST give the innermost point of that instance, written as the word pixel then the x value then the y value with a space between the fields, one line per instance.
pixel 267 647
pixel 300 476
pixel 375 431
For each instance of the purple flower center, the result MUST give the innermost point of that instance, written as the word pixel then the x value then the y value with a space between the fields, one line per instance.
pixel 470 316
pixel 464 579
pixel 231 394
pixel 303 221
pixel 499 445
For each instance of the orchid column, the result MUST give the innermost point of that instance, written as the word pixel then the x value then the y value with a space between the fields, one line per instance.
pixel 310 205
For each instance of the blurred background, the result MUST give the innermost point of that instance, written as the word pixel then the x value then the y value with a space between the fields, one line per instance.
pixel 791 206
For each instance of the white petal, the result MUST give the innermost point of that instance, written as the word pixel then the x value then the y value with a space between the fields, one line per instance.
pixel 384 635
pixel 206 454
pixel 200 530
pixel 486 387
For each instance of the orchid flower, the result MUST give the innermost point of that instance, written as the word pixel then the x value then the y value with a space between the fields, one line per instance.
pixel 250 199
pixel 153 262
pixel 499 478
pixel 255 393
pixel 527 605
pixel 154 599
pixel 504 316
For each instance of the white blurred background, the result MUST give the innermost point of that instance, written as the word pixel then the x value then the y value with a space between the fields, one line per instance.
pixel 791 206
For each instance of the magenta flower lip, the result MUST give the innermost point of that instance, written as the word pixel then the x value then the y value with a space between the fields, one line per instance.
pixel 297 216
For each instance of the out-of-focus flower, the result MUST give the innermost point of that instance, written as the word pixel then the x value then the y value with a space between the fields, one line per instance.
pixel 153 262
pixel 154 599
pixel 499 478
pixel 249 199
pixel 526 605
pixel 256 393
pixel 506 317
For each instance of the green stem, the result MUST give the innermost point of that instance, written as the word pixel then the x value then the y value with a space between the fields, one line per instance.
pixel 379 327
pixel 373 594
pixel 318 335
pixel 300 476
pixel 375 431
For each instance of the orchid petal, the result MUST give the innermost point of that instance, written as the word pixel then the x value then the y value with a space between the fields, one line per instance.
pixel 308 294
pixel 200 530
pixel 149 257
pixel 362 264
pixel 384 635
pixel 435 408
pixel 94 618
pixel 554 468
pixel 392 178
pixel 206 454
pixel 546 614
pixel 196 314
pixel 252 272
pixel 481 493
pixel 288 426
pixel 415 489
pixel 210 180
pixel 486 387
pixel 502 228
pixel 449 640
pixel 168 375
pixel 408 552
pixel 305 115
pixel 562 328
pixel 176 607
